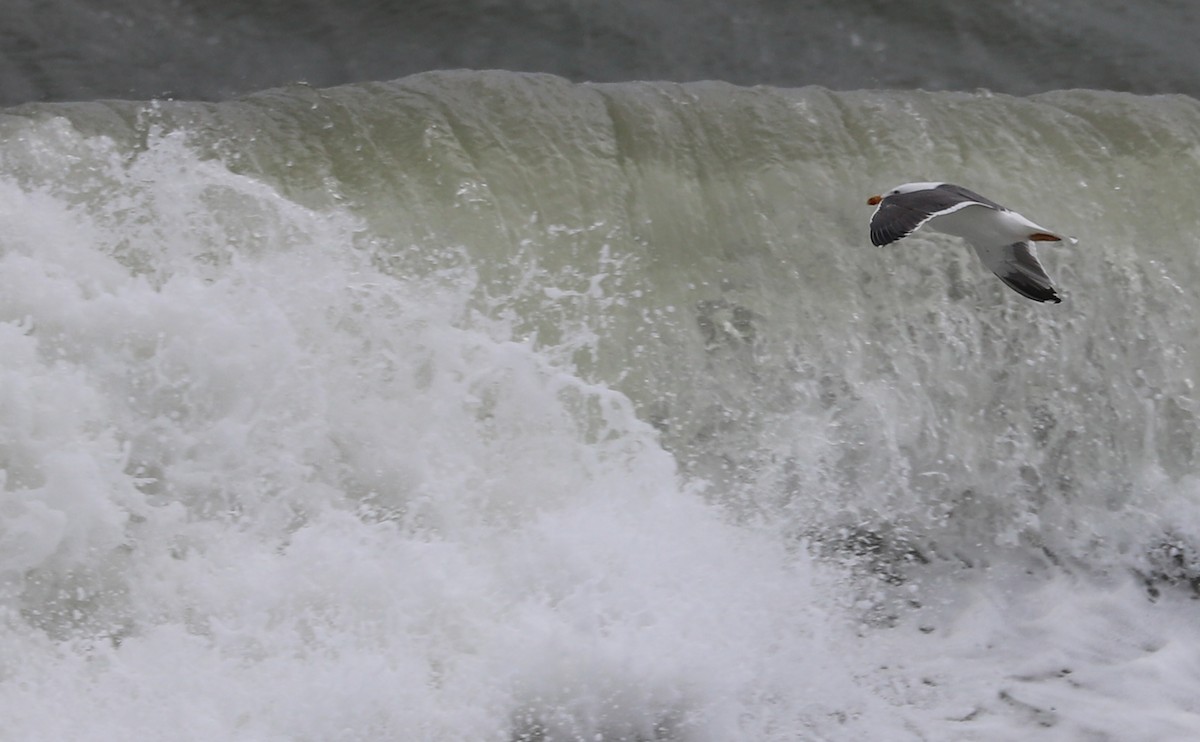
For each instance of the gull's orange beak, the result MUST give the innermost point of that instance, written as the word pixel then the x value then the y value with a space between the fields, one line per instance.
pixel 874 200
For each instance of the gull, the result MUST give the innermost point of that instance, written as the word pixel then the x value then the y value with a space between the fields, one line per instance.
pixel 1002 237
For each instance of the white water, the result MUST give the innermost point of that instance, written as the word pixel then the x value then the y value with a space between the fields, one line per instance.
pixel 366 519
pixel 257 487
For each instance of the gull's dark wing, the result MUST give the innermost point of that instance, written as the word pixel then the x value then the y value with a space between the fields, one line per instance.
pixel 900 214
pixel 1020 269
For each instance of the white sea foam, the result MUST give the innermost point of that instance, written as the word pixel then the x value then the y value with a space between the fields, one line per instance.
pixel 276 494
pixel 260 483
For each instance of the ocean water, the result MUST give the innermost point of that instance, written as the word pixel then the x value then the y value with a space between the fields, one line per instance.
pixel 70 50
pixel 495 406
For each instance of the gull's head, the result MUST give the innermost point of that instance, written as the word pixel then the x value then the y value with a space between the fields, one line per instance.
pixel 905 188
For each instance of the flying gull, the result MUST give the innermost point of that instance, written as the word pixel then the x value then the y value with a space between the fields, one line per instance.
pixel 1003 238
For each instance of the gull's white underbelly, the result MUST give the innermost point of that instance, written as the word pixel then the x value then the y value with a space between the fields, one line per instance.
pixel 985 226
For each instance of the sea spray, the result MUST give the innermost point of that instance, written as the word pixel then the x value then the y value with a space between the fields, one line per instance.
pixel 488 405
